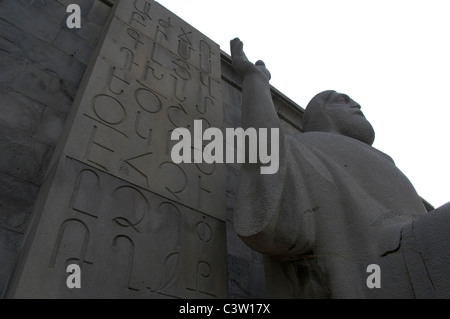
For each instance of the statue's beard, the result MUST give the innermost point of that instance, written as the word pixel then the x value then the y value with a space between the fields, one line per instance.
pixel 362 131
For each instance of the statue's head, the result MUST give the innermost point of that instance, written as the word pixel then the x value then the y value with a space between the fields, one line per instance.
pixel 334 112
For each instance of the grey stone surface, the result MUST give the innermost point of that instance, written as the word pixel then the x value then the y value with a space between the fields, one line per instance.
pixel 53 10
pixel 140 91
pixel 22 156
pixel 246 270
pixel 55 62
pixel 45 88
pixel 91 31
pixel 49 127
pixel 39 56
pixel 138 225
pixel 238 279
pixel 38 84
pixel 16 202
pixel 9 241
pixel 19 112
pixel 14 40
pixel 99 12
pixel 11 67
pixel 129 242
pixel 70 43
pixel 336 205
pixel 29 19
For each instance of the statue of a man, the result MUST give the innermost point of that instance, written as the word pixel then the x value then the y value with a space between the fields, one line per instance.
pixel 337 206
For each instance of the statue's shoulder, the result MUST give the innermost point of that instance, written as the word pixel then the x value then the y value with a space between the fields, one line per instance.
pixel 311 142
pixel 317 138
pixel 330 143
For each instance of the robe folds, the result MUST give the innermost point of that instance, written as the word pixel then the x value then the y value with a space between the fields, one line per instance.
pixel 336 206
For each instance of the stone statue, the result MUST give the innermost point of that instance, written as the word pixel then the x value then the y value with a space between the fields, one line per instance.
pixel 337 206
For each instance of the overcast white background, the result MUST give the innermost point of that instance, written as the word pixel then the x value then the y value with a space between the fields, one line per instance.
pixel 392 57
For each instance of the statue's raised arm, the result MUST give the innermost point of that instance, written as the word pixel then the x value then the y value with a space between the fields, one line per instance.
pixel 242 65
pixel 259 201
pixel 258 110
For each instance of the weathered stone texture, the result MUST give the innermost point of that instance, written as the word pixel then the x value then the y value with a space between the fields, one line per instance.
pixel 174 80
pixel 115 203
pixel 42 63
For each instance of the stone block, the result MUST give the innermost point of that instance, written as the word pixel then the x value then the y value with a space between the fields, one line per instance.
pixel 16 201
pixel 11 67
pixel 28 18
pixel 232 111
pixel 9 241
pixel 232 115
pixel 22 156
pixel 230 200
pixel 238 277
pixel 228 72
pixel 232 179
pixel 289 112
pixel 224 89
pixel 99 12
pixel 54 61
pixel 257 282
pixel 50 127
pixel 52 10
pixel 18 111
pixel 46 88
pixel 14 40
pixel 69 42
pixel 89 31
pixel 235 246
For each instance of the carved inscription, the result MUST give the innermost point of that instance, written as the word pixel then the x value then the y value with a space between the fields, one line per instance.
pixel 154 73
pixel 148 244
pixel 137 224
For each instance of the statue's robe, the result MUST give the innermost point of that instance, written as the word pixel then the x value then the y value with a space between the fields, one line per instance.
pixel 336 206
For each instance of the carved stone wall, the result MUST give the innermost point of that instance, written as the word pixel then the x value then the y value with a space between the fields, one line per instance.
pixel 113 202
pixel 42 63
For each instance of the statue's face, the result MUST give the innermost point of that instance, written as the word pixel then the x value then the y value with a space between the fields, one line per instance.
pixel 347 119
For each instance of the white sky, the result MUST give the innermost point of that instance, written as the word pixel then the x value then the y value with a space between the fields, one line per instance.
pixel 391 56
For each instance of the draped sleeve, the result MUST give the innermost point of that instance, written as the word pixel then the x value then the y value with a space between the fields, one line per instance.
pixel 274 213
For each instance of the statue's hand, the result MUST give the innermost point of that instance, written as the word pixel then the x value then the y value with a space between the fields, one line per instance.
pixel 242 65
